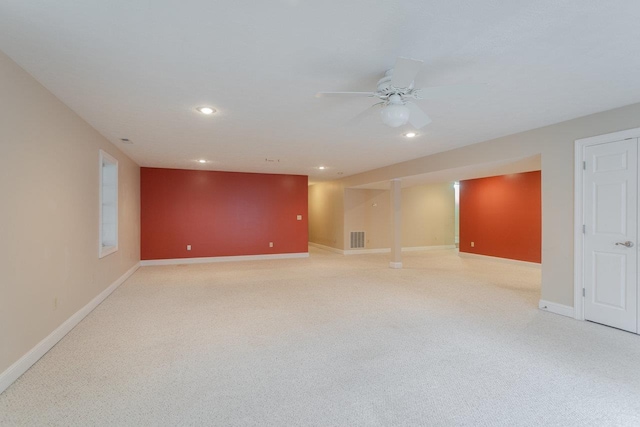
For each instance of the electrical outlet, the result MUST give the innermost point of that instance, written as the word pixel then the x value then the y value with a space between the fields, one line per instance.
pixel 299 217
pixel 188 247
pixel 473 244
pixel 270 244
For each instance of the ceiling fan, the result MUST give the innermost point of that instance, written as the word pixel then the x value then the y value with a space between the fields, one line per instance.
pixel 395 90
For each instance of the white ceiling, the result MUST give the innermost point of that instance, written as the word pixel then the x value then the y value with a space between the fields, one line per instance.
pixel 138 69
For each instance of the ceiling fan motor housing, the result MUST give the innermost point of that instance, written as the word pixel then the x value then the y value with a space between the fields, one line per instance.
pixel 384 84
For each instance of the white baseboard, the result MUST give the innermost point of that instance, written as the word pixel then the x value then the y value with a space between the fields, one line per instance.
pixel 367 251
pixel 552 307
pixel 427 248
pixel 504 260
pixel 176 261
pixel 379 250
pixel 405 249
pixel 21 366
pixel 326 248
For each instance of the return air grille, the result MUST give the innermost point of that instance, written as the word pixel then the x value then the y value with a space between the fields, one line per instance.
pixel 357 239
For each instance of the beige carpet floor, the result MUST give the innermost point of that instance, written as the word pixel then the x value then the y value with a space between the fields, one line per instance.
pixel 332 341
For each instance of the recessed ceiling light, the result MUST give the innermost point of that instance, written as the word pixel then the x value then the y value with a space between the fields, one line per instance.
pixel 321 167
pixel 206 110
pixel 202 161
pixel 410 134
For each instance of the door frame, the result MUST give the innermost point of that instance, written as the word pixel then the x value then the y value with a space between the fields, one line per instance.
pixel 578 219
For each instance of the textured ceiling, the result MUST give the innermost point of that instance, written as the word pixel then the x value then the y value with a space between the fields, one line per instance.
pixel 137 70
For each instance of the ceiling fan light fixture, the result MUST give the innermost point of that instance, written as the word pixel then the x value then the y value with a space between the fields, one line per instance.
pixel 395 115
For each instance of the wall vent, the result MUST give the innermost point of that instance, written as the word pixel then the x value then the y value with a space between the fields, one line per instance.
pixel 357 239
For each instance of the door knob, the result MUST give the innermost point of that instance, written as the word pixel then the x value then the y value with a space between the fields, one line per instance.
pixel 628 244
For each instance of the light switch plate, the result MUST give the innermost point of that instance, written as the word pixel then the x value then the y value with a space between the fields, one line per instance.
pixel 299 217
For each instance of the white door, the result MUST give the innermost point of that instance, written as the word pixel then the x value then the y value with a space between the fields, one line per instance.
pixel 610 244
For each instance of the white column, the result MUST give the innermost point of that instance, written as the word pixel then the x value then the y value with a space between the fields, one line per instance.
pixel 396 224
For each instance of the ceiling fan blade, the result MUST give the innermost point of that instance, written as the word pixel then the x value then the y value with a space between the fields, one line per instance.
pixel 417 117
pixel 366 113
pixel 449 91
pixel 405 72
pixel 342 94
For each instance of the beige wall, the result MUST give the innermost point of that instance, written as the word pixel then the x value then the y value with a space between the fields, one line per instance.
pixel 555 144
pixel 428 215
pixel 49 214
pixel 368 211
pixel 326 214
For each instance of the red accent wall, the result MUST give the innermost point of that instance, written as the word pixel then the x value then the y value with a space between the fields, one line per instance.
pixel 220 213
pixel 502 215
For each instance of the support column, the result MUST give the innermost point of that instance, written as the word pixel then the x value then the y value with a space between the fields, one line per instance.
pixel 396 224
